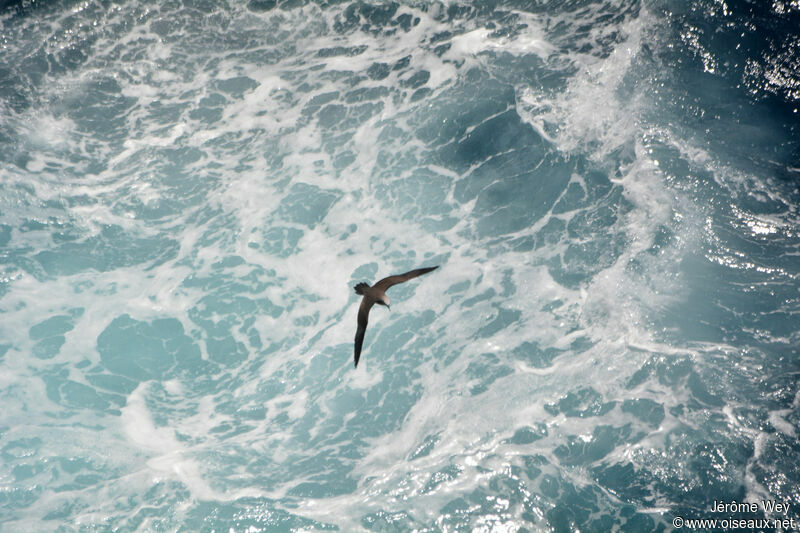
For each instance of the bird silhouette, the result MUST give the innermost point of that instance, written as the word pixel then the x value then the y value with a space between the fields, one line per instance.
pixel 377 295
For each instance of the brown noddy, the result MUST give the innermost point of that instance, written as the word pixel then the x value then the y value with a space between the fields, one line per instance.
pixel 377 295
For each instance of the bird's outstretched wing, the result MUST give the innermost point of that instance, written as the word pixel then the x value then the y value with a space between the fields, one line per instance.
pixel 385 283
pixel 363 316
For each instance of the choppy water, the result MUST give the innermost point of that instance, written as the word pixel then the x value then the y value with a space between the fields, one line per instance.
pixel 189 190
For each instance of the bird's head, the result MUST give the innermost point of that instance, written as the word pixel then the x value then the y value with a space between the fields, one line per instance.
pixel 385 302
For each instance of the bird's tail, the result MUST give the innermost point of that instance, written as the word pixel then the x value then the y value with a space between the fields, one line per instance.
pixel 361 288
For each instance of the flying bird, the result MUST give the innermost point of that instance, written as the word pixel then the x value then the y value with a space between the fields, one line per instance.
pixel 377 295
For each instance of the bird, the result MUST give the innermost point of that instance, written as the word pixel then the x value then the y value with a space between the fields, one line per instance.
pixel 377 295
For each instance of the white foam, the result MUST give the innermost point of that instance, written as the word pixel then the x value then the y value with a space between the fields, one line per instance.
pixel 139 427
pixel 776 418
pixel 317 320
pixel 589 110
pixel 170 458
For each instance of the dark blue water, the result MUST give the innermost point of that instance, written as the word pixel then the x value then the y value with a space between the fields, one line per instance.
pixel 190 189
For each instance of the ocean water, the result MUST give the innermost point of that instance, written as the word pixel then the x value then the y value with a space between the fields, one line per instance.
pixel 189 189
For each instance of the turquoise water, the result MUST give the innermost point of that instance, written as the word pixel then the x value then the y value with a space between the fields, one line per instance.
pixel 190 189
